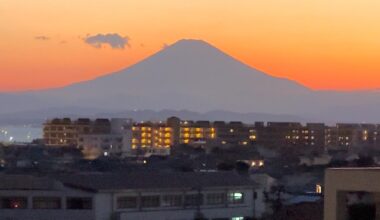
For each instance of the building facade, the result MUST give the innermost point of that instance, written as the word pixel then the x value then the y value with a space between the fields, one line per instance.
pixel 158 137
pixel 152 138
pixel 129 196
pixel 352 193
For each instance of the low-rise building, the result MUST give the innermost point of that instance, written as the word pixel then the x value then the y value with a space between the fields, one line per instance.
pixel 352 193
pixel 129 196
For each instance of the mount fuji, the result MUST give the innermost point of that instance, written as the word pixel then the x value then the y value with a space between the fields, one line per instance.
pixel 196 76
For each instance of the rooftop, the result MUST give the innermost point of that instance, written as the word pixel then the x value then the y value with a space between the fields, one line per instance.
pixel 155 180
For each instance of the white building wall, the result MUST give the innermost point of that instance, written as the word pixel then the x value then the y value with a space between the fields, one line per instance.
pixel 103 205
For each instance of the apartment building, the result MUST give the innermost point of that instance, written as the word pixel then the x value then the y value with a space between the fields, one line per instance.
pixel 211 133
pixel 65 132
pixel 288 134
pixel 152 138
pixel 353 135
pixel 94 137
pixel 234 133
pixel 129 196
pixel 118 136
pixel 199 132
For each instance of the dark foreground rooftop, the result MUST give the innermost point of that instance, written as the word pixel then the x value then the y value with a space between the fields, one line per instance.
pixel 127 181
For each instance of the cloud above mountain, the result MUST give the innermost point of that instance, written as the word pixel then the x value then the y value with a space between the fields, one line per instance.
pixel 114 40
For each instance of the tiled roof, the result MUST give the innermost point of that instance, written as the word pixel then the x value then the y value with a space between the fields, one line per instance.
pixel 26 182
pixel 155 180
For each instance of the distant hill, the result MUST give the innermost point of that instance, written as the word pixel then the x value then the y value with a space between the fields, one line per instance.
pixel 194 75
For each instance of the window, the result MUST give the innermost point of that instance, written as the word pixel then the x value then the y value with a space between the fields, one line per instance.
pixel 150 201
pixel 216 198
pixel 79 203
pixel 237 218
pixel 236 198
pixel 46 203
pixel 13 202
pixel 172 200
pixel 193 200
pixel 126 202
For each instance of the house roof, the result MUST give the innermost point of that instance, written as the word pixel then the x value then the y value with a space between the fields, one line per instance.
pixel 155 180
pixel 26 182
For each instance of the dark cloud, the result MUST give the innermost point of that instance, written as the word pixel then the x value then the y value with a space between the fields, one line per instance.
pixel 42 37
pixel 116 41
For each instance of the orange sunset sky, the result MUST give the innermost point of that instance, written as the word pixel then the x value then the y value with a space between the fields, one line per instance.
pixel 322 44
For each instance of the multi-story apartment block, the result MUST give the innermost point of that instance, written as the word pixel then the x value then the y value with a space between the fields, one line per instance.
pixel 117 136
pixel 353 135
pixel 200 132
pixel 94 137
pixel 150 137
pixel 235 133
pixel 65 132
pixel 287 134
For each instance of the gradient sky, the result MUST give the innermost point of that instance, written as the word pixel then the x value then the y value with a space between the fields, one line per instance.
pixel 323 44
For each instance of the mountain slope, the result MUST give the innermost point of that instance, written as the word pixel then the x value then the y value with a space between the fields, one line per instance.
pixel 191 75
pixel 194 75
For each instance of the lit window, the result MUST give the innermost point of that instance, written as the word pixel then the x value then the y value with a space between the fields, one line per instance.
pixel 236 198
pixel 237 218
pixel 318 189
pixel 13 203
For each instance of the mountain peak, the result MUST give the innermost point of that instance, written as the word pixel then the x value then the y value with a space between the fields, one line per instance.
pixel 190 42
pixel 192 45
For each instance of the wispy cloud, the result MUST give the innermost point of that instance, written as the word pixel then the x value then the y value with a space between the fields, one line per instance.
pixel 114 40
pixel 42 37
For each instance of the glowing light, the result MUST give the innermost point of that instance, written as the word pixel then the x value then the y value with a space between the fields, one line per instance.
pixel 318 189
